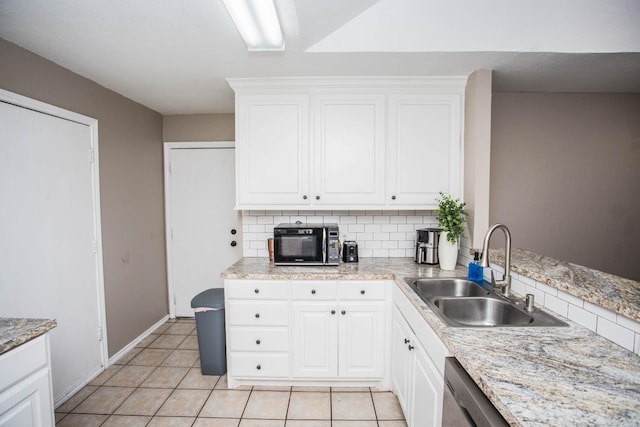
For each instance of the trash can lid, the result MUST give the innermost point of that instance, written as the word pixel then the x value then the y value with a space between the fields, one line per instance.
pixel 211 298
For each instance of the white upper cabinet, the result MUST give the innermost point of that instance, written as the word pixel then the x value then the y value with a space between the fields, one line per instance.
pixel 424 146
pixel 272 152
pixel 348 143
pixel 349 150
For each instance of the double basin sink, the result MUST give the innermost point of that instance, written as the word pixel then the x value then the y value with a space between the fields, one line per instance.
pixel 465 304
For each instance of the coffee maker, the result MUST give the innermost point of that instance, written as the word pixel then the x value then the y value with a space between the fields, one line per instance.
pixel 427 245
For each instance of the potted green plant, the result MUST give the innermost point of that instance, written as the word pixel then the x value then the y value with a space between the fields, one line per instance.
pixel 451 216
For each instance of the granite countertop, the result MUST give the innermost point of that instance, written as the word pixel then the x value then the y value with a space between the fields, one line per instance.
pixel 614 293
pixel 533 376
pixel 14 331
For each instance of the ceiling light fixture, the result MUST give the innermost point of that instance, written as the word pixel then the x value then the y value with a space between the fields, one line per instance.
pixel 257 22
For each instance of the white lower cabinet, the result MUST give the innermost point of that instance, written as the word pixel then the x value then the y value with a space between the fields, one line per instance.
pixel 25 385
pixel 303 331
pixel 417 373
pixel 338 339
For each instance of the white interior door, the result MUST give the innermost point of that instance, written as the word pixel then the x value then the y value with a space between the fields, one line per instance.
pixel 201 219
pixel 49 235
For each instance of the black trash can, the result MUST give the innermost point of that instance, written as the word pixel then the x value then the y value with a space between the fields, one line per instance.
pixel 209 308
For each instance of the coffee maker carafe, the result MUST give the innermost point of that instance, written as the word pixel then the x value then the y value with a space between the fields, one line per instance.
pixel 427 245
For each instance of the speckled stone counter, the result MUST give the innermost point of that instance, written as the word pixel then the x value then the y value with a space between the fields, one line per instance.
pixel 614 293
pixel 533 376
pixel 14 332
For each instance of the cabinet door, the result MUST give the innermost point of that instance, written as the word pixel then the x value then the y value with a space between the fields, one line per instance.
pixel 401 359
pixel 424 149
pixel 315 339
pixel 426 405
pixel 361 340
pixel 272 142
pixel 349 147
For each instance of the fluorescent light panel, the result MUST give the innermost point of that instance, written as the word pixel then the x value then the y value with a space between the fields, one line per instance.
pixel 257 22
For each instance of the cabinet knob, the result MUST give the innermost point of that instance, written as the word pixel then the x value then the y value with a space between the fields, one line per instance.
pixel 362 292
pixel 258 367
pixel 333 312
pixel 258 342
pixel 344 312
pixel 257 291
pixel 257 315
pixel 393 197
pixel 317 197
pixel 233 231
pixel 407 341
pixel 233 243
pixel 411 347
pixel 304 197
pixel 313 291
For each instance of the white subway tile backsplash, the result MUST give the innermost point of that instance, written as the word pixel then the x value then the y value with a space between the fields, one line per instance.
pixel 363 219
pixel 537 293
pixel 547 289
pixel 399 219
pixel 628 323
pixel 556 305
pixel 364 236
pixel 383 237
pixel 389 228
pixel 389 244
pixel 372 228
pixel 616 333
pixel 265 220
pixel 381 220
pixel 582 317
pixel 571 299
pixel 355 228
pixel 600 312
pixel 345 219
pixel 516 285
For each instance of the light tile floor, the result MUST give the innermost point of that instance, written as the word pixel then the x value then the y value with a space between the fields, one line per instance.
pixel 159 383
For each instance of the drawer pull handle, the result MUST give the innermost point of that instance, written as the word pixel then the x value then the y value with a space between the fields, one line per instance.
pixel 258 342
pixel 344 312
pixel 362 292
pixel 313 291
pixel 333 312
pixel 257 291
pixel 258 367
pixel 411 347
pixel 407 341
pixel 257 315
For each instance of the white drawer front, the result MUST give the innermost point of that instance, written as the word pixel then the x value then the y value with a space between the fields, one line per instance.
pixel 22 361
pixel 257 289
pixel 258 339
pixel 362 290
pixel 262 313
pixel 314 290
pixel 259 365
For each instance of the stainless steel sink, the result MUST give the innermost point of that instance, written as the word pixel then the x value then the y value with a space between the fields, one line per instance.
pixel 462 303
pixel 447 287
pixel 482 312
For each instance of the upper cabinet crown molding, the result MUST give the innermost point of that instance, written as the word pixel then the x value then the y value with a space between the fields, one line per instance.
pixel 345 143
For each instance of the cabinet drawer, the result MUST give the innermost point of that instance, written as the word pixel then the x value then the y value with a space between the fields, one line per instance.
pixel 362 290
pixel 258 313
pixel 22 361
pixel 259 365
pixel 314 290
pixel 258 339
pixel 257 289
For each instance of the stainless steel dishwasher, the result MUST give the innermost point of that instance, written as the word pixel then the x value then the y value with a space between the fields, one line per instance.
pixel 464 404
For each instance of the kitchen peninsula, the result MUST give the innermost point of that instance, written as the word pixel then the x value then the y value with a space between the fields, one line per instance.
pixel 533 376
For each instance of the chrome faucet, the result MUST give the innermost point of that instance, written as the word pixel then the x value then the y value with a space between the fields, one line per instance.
pixel 505 283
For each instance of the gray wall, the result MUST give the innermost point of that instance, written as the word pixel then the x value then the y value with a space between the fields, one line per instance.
pixel 131 186
pixel 199 127
pixel 565 176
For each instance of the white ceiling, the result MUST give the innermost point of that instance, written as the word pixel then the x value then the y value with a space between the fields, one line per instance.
pixel 173 56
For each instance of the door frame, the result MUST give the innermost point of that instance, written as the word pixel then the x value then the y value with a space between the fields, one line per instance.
pixel 92 124
pixel 168 146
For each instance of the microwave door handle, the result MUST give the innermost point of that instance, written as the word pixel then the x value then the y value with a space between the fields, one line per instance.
pixel 324 245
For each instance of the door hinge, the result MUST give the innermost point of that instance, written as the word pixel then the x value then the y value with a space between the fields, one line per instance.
pixel 174 299
pixel 95 247
pixel 100 335
pixel 91 155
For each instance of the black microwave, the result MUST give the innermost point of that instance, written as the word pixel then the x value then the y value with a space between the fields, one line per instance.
pixel 306 244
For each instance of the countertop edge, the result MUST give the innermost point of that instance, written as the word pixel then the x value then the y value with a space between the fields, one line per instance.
pixel 17 331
